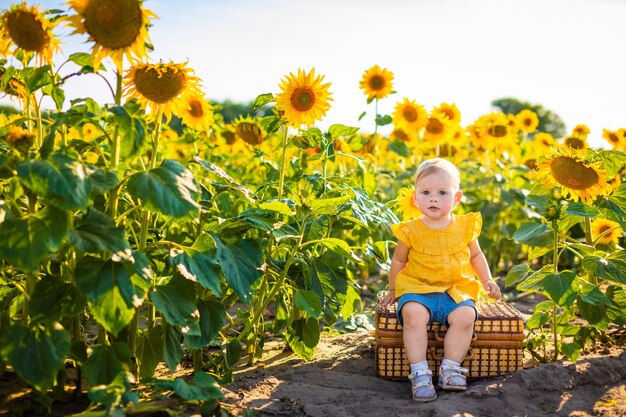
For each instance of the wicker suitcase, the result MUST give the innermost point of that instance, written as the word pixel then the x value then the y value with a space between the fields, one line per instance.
pixel 496 347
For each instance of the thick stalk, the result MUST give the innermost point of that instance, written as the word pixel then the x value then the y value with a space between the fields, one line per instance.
pixel 555 259
pixel 589 240
pixel 281 181
pixel 116 146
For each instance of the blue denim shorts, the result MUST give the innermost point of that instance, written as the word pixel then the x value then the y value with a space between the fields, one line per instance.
pixel 439 304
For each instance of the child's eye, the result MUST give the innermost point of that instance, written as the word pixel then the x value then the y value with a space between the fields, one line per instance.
pixel 442 192
pixel 425 192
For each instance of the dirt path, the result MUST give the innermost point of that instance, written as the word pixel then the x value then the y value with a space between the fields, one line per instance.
pixel 341 382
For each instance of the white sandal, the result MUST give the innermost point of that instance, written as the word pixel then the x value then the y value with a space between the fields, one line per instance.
pixel 448 373
pixel 422 387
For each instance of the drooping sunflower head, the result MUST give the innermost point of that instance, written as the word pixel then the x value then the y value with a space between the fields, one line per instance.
pixel 303 98
pixel 576 144
pixel 617 138
pixel 377 83
pixel 578 178
pixel 606 232
pixel 544 141
pixel 405 204
pixel 19 138
pixel 527 120
pixel 450 111
pixel 29 31
pixel 249 130
pixel 164 87
pixel 118 28
pixel 581 131
pixel 409 116
pixel 199 113
pixel 400 134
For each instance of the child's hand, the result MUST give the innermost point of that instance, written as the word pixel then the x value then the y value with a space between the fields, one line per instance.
pixel 389 299
pixel 492 289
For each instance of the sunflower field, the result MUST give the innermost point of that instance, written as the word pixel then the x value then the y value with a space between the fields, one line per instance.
pixel 128 242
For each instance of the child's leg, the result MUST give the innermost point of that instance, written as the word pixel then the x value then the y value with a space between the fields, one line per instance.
pixel 455 347
pixel 414 333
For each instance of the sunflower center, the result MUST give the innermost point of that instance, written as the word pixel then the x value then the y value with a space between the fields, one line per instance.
pixel 250 133
pixel 302 99
pixel 573 174
pixel 195 108
pixel 409 114
pixel 377 82
pixel 27 31
pixel 575 143
pixel 160 86
pixel 497 131
pixel 434 126
pixel 114 24
pixel 603 228
pixel 527 122
pixel 613 138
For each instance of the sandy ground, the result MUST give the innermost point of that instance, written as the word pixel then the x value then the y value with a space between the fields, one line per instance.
pixel 341 382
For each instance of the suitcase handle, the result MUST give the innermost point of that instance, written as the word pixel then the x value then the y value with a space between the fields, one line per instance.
pixel 439 338
pixel 438 357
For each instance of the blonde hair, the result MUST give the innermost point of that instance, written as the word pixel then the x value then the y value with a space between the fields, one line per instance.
pixel 430 166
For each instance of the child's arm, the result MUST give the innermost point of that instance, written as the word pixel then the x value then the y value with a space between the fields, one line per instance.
pixel 479 262
pixel 398 262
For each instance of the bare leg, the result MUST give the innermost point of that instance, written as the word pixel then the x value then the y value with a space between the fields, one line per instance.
pixel 459 334
pixel 414 334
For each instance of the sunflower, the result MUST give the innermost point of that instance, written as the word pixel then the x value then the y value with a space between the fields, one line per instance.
pixel 199 114
pixel 577 177
pixel 377 83
pixel 581 131
pixel 304 99
pixel 409 116
pixel 162 86
pixel 89 132
pixel 494 129
pixel 544 141
pixel 405 204
pixel 30 31
pixel 117 28
pixel 576 144
pixel 617 138
pixel 438 129
pixel 249 130
pixel 527 120
pixel 450 111
pixel 606 232
pixel 400 134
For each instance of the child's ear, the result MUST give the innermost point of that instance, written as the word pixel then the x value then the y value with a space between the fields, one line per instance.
pixel 457 197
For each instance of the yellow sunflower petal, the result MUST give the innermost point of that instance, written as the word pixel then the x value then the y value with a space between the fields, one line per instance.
pixel 377 83
pixel 303 98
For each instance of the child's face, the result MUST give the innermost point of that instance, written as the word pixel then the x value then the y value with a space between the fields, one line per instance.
pixel 436 195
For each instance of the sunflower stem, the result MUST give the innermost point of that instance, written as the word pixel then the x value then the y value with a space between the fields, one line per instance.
pixel 116 146
pixel 281 181
pixel 589 240
pixel 555 260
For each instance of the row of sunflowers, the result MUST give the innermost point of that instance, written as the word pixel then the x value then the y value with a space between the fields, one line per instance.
pixel 149 230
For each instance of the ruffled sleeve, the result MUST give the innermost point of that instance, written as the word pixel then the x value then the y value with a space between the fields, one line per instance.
pixel 402 232
pixel 473 226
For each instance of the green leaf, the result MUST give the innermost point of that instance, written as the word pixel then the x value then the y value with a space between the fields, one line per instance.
pixel 202 387
pixel 212 319
pixel 173 348
pixel 96 277
pixel 352 302
pixel 338 246
pixel 383 120
pixel 101 180
pixel 177 302
pixel 36 353
pixel 616 204
pixel 242 264
pixel 611 267
pixel 271 124
pixel 593 313
pixel 612 162
pixel 582 209
pixel 339 130
pixel 54 299
pixel 571 350
pixel 534 234
pixel 95 231
pixel 105 362
pixel 62 181
pixel 399 147
pixel 322 203
pixel 149 351
pixel 261 100
pixel 27 241
pixel 308 301
pixel 303 337
pixel 533 281
pixel 540 202
pixel 278 207
pixel 537 320
pixel 233 352
pixel 169 189
pixel 617 311
pixel 559 289
pixel 197 267
pixel 517 274
pixel 132 129
pixel 112 311
pixel 36 79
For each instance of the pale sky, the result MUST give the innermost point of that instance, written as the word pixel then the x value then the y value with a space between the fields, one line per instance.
pixel 567 55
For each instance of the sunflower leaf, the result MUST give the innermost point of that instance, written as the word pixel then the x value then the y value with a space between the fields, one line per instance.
pixel 261 101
